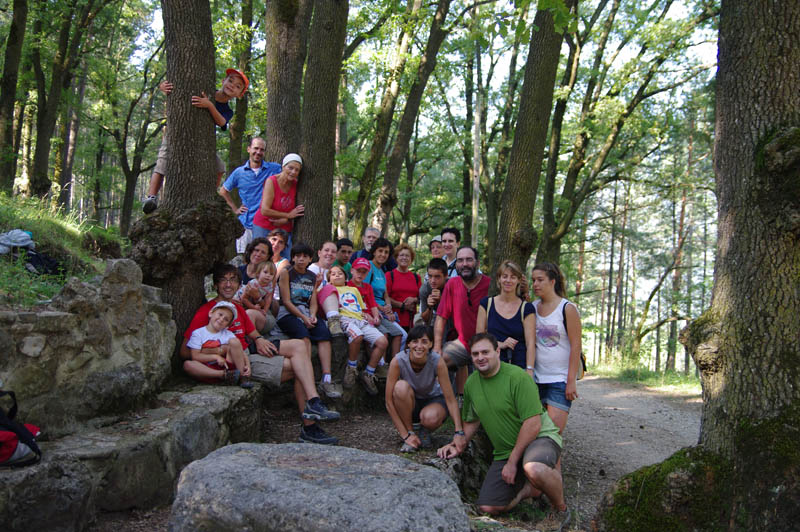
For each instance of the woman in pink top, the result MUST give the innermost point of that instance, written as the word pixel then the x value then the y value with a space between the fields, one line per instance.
pixel 278 208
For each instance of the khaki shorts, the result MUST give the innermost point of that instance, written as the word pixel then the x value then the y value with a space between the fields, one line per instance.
pixel 266 370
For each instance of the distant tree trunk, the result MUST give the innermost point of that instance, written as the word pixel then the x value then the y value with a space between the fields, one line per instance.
pixel 394 165
pixel 518 239
pixel 8 93
pixel 383 120
pixel 238 123
pixel 746 343
pixel 341 180
pixel 672 345
pixel 609 320
pixel 320 96
pixel 73 115
pixel 286 26
pixel 99 154
pixel 192 228
pixel 582 253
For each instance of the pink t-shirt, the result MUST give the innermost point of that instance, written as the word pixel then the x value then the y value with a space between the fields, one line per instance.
pixel 463 306
pixel 281 201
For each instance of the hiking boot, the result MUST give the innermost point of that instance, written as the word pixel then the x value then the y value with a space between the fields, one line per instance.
pixel 150 204
pixel 556 521
pixel 335 326
pixel 329 390
pixel 368 379
pixel 381 372
pixel 231 377
pixel 350 374
pixel 424 437
pixel 317 411
pixel 315 434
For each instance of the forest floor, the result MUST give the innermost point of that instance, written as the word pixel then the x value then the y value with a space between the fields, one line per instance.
pixel 614 428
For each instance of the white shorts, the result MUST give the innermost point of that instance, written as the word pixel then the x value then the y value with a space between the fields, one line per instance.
pixel 242 241
pixel 355 328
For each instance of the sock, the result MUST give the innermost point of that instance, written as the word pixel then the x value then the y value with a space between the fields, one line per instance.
pixel 332 313
pixel 326 377
pixel 370 370
pixel 352 363
pixel 381 362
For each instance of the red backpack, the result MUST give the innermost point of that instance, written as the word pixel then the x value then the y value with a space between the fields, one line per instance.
pixel 17 441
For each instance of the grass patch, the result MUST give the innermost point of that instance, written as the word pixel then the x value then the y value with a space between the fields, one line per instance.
pixel 59 235
pixel 668 382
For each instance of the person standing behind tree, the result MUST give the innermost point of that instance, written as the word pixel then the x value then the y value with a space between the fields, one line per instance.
pixel 248 179
pixel 510 318
pixel 278 209
pixel 558 342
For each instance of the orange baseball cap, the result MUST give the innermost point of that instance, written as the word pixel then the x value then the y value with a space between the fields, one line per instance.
pixel 241 75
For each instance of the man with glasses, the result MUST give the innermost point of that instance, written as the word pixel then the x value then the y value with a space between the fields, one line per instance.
pixel 271 362
pixel 460 300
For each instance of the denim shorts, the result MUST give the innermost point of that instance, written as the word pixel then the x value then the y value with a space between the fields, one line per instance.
pixel 554 394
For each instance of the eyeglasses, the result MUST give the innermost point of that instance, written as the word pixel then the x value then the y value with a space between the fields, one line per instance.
pixel 229 280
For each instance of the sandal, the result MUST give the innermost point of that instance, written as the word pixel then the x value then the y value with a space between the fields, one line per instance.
pixel 408 448
pixel 231 377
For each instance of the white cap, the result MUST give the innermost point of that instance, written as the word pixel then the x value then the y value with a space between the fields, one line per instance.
pixel 224 304
pixel 292 157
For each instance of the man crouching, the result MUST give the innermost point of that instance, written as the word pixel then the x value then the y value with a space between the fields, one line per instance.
pixel 526 442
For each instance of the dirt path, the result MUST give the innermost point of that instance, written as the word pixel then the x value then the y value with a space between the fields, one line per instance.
pixel 616 428
pixel 613 429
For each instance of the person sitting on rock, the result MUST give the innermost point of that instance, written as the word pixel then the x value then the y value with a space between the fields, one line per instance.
pixel 418 392
pixel 271 362
pixel 214 356
pixel 526 442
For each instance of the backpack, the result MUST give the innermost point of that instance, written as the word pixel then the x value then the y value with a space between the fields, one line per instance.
pixel 582 369
pixel 17 442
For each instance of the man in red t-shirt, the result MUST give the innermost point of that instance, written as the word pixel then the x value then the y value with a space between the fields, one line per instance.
pixel 272 363
pixel 460 300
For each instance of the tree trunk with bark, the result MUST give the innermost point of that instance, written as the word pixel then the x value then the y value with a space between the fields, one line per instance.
pixel 518 238
pixel 192 228
pixel 236 128
pixel 320 96
pixel 746 344
pixel 8 93
pixel 286 27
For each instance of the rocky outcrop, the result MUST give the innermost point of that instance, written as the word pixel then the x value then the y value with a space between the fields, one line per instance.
pixel 262 487
pixel 131 462
pixel 104 348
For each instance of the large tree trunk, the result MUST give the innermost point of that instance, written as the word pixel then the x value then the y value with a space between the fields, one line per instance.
pixel 746 344
pixel 192 228
pixel 8 93
pixel 320 96
pixel 518 238
pixel 394 165
pixel 286 35
pixel 236 151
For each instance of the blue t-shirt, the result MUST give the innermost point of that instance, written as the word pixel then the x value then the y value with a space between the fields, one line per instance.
pixel 251 186
pixel 225 110
pixel 377 279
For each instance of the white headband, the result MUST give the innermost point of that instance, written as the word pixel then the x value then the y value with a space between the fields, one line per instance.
pixel 292 157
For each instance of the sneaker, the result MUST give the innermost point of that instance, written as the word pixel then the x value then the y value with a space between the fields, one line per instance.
pixel 335 326
pixel 556 521
pixel 424 437
pixel 317 411
pixel 246 383
pixel 368 379
pixel 231 377
pixel 315 434
pixel 328 389
pixel 407 448
pixel 350 374
pixel 381 372
pixel 150 204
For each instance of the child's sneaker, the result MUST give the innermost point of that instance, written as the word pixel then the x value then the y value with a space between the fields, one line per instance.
pixel 150 204
pixel 315 409
pixel 246 383
pixel 315 434
pixel 368 379
pixel 350 374
pixel 231 377
pixel 335 326
pixel 328 389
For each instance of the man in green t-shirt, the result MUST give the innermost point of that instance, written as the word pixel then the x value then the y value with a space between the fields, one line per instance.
pixel 526 441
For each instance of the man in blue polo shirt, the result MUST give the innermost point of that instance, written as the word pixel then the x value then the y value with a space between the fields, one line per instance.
pixel 249 179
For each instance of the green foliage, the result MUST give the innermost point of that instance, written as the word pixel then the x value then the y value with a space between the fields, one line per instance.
pixel 20 288
pixel 669 381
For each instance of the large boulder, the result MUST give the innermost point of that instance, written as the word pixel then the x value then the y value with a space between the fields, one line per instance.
pixel 302 487
pixel 104 348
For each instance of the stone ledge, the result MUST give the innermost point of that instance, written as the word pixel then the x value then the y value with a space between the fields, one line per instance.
pixel 133 462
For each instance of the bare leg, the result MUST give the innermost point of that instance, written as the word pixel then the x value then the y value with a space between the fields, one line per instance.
pixel 432 416
pixel 403 396
pixel 549 481
pixel 559 417
pixel 301 367
pixel 156 182
pixel 198 370
pixel 354 348
pixel 331 304
pixel 378 350
pixel 461 378
pixel 257 317
pixel 324 352
pixel 237 356
pixel 396 340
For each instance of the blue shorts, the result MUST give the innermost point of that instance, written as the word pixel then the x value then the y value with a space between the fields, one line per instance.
pixel 293 327
pixel 554 394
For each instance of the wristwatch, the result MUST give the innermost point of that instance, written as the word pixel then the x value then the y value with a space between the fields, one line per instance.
pixel 459 433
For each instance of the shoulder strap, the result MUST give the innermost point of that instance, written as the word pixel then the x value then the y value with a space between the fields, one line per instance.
pixel 391 274
pixel 489 306
pixel 564 315
pixel 416 276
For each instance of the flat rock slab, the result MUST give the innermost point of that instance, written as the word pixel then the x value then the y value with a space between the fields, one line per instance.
pixel 306 487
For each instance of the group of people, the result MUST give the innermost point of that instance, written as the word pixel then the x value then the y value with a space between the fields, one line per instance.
pixel 422 333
